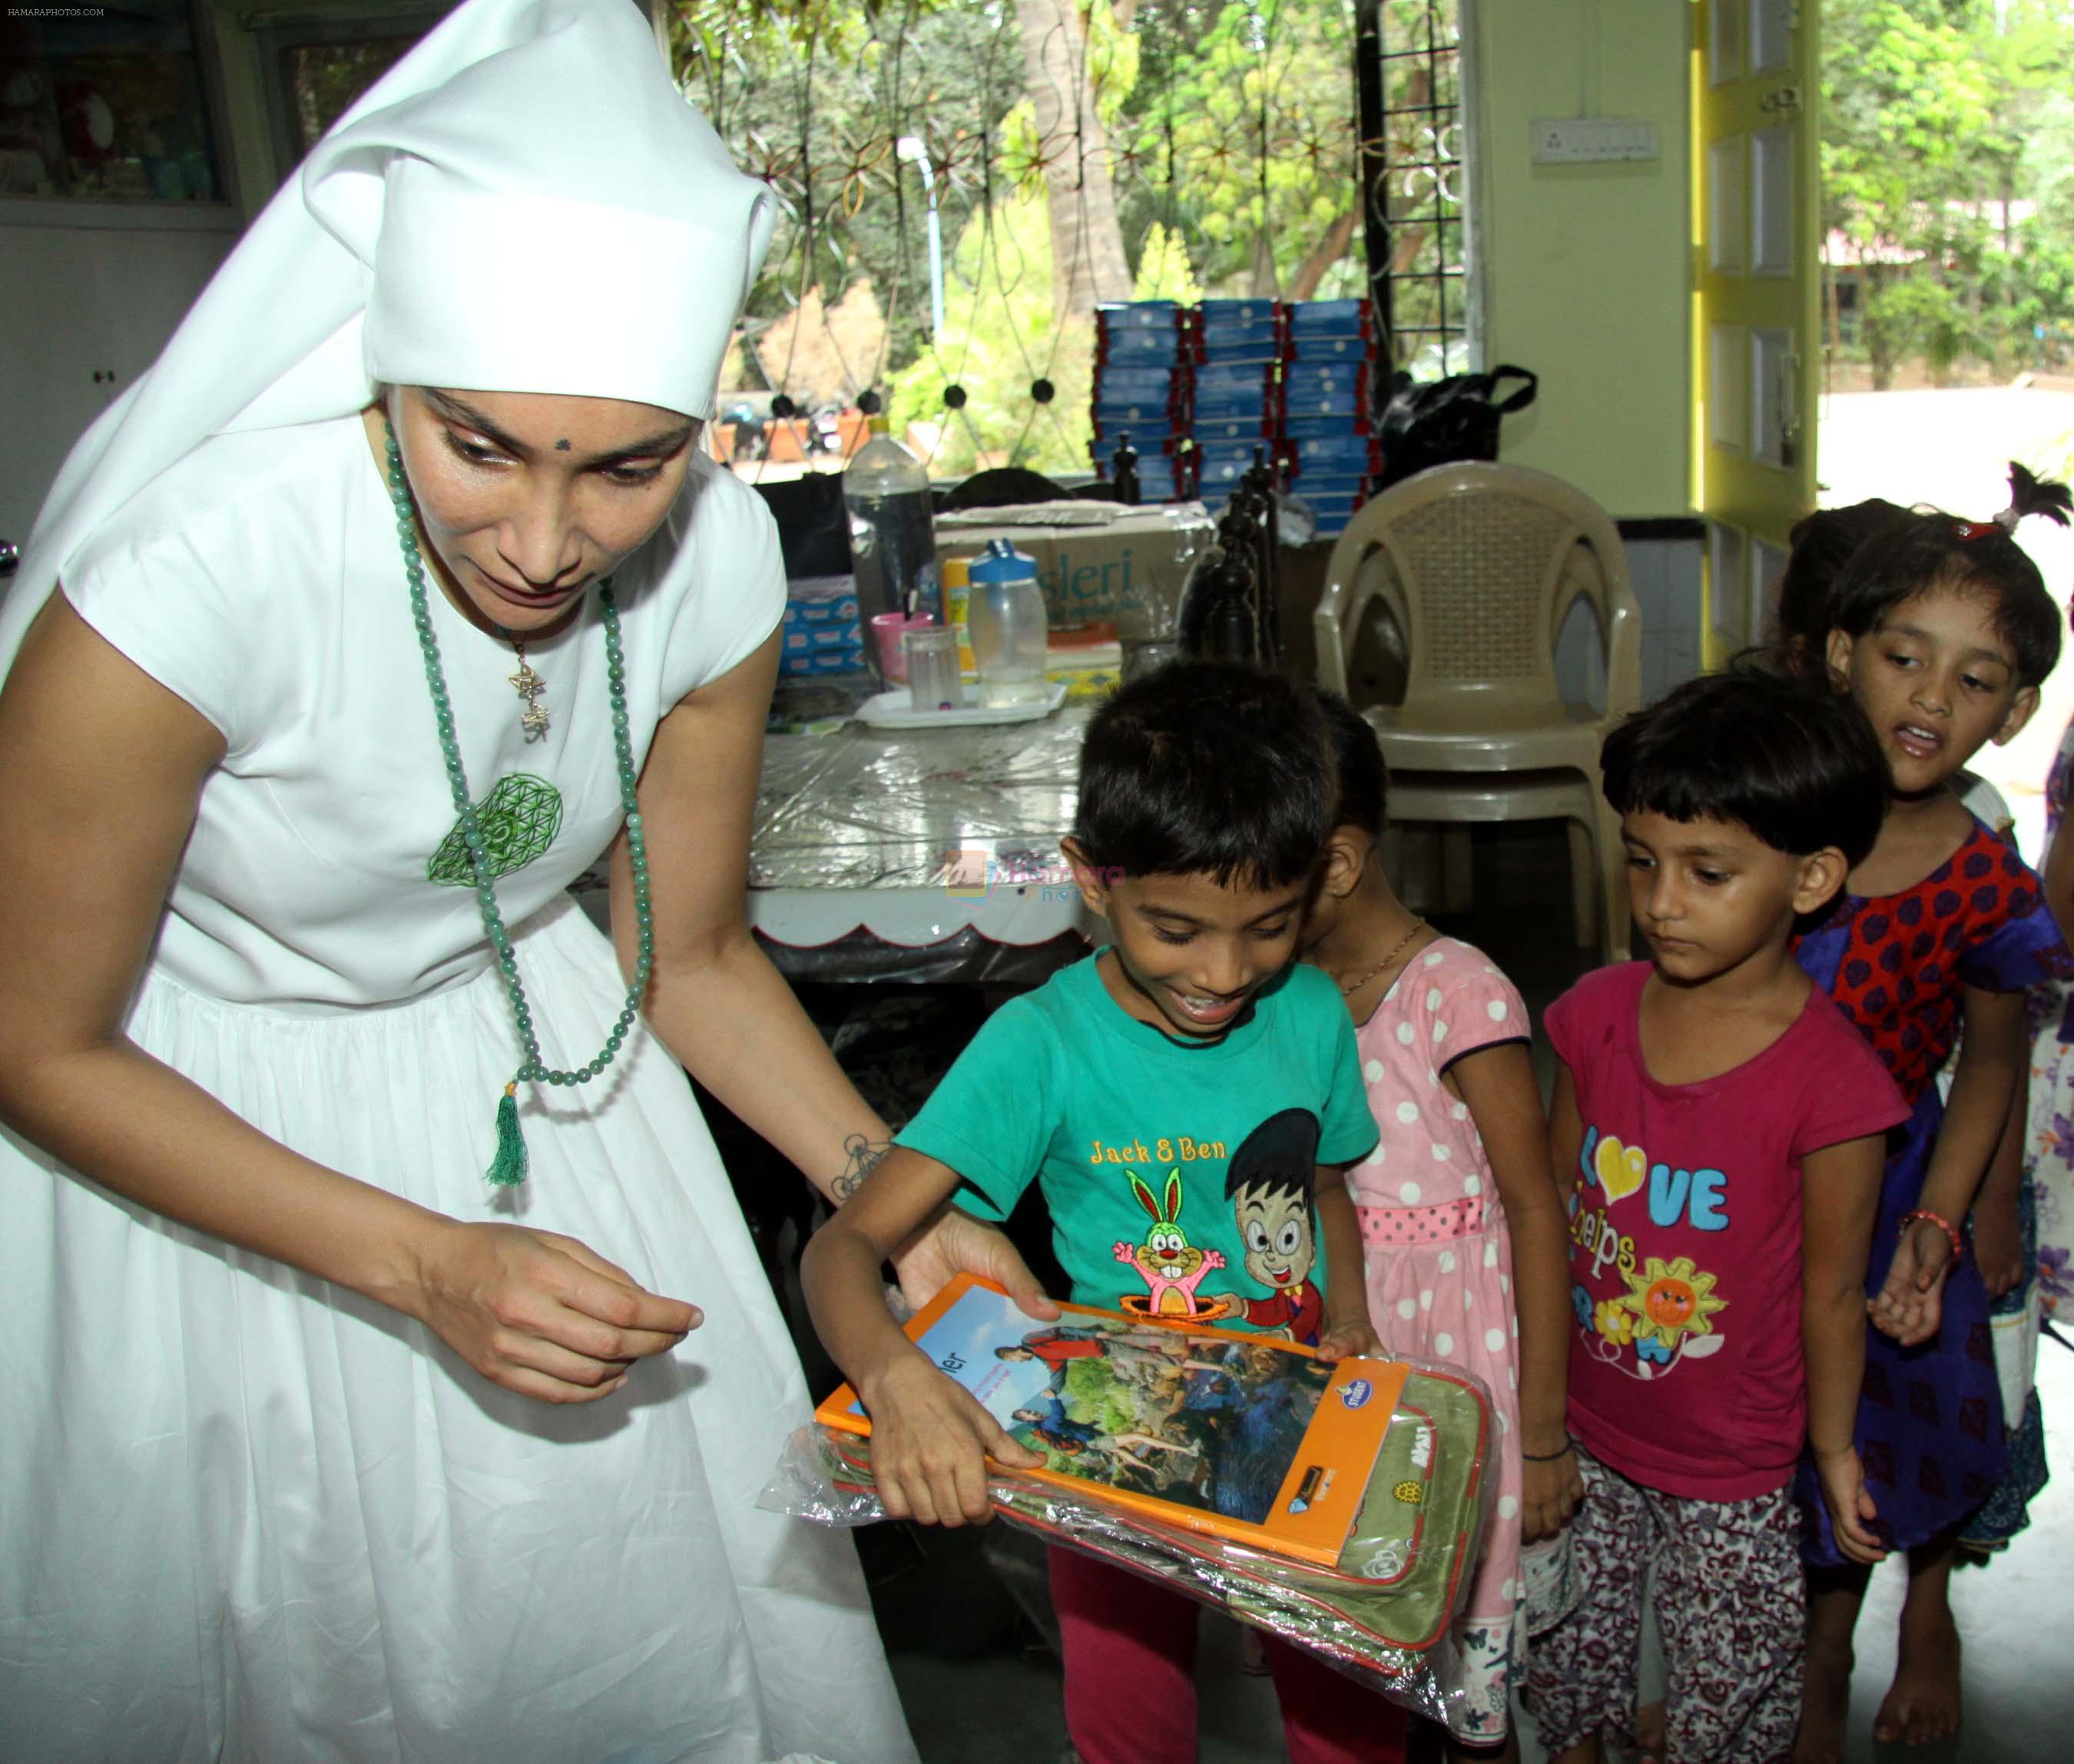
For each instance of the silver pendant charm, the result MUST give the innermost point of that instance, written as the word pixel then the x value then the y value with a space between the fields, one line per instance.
pixel 530 687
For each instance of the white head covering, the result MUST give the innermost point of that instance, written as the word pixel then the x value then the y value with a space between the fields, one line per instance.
pixel 525 203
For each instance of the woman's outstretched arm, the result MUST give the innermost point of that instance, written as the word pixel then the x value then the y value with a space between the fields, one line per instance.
pixel 720 1006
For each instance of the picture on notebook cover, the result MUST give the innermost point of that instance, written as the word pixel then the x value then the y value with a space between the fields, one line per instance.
pixel 1219 1424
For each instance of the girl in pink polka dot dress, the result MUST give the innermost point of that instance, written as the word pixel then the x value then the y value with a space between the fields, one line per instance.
pixel 1458 1204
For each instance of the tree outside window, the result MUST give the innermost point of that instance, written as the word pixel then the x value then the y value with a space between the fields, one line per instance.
pixel 1082 151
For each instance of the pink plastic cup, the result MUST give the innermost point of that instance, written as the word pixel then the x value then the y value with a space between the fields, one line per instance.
pixel 887 628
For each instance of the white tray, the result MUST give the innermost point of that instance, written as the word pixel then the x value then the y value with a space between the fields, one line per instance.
pixel 892 710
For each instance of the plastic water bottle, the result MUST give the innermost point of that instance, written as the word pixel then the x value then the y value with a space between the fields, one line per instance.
pixel 1006 613
pixel 892 532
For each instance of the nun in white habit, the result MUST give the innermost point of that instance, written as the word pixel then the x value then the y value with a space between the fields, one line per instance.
pixel 310 1449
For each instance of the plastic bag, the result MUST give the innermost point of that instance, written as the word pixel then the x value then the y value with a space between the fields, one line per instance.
pixel 1382 1615
pixel 805 1484
pixel 1435 422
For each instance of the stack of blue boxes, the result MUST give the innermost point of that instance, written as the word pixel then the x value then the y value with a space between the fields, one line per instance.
pixel 1238 347
pixel 1141 383
pixel 1330 456
pixel 1202 396
pixel 822 633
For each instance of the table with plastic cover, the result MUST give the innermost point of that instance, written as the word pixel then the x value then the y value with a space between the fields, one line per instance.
pixel 919 854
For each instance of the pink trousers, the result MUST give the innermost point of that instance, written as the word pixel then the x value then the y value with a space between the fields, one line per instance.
pixel 1130 1691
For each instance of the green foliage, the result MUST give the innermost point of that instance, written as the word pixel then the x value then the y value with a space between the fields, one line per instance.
pixel 813 94
pixel 1233 158
pixel 1112 62
pixel 999 337
pixel 2050 152
pixel 1919 314
pixel 1087 1390
pixel 1936 114
pixel 1242 135
pixel 1093 1393
pixel 1163 270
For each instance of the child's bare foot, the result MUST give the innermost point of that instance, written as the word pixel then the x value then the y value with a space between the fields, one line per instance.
pixel 1923 1702
pixel 1825 1704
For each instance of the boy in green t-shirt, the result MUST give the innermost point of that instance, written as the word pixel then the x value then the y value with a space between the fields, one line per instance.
pixel 1186 1098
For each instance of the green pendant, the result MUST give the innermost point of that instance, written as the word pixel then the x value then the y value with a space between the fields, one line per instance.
pixel 519 821
pixel 512 826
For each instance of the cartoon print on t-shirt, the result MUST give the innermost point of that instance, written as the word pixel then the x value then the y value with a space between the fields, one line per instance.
pixel 1671 1300
pixel 1171 1267
pixel 1667 1313
pixel 1270 1181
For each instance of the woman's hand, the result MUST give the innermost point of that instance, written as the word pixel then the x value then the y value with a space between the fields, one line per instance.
pixel 1997 1244
pixel 1549 1494
pixel 1851 1509
pixel 930 1442
pixel 1911 1304
pixel 539 1313
pixel 958 1243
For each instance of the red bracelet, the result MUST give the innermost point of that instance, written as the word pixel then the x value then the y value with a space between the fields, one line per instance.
pixel 1942 1224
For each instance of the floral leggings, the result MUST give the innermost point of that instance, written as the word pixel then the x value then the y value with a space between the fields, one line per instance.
pixel 1731 1604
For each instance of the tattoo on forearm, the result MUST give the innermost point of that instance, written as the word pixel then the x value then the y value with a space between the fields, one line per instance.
pixel 860 1157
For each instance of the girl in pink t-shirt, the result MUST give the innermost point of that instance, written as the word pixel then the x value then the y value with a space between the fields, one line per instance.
pixel 1456 1202
pixel 1720 1128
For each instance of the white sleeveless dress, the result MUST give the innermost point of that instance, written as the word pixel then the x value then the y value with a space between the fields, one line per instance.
pixel 244 1515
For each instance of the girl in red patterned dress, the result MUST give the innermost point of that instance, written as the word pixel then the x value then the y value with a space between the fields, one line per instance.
pixel 1943 630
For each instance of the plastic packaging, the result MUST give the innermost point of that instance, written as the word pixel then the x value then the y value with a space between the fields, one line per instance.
pixel 907 842
pixel 1010 632
pixel 1383 1615
pixel 892 532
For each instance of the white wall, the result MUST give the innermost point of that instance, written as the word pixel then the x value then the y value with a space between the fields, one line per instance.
pixel 1588 267
pixel 80 300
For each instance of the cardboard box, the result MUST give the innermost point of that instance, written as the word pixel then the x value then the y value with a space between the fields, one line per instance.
pixel 1097 560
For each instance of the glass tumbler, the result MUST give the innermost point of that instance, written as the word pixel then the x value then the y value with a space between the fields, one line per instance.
pixel 934 682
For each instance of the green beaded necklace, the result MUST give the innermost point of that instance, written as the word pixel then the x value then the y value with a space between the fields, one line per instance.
pixel 508 1167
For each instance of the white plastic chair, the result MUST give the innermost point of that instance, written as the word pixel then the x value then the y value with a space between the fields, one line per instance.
pixel 1479 564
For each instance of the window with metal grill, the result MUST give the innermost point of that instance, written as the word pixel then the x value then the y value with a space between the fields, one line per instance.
pixel 1412 59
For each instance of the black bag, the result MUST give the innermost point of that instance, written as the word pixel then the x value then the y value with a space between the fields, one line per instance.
pixel 1434 422
pixel 813 522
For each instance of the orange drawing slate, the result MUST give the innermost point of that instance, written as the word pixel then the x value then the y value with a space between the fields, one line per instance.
pixel 1234 1435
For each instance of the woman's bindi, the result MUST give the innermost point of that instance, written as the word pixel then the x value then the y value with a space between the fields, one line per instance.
pixel 561 446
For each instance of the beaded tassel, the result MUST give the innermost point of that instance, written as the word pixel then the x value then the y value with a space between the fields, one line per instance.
pixel 508 1167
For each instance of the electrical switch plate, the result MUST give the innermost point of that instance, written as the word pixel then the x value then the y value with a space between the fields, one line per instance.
pixel 1583 140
